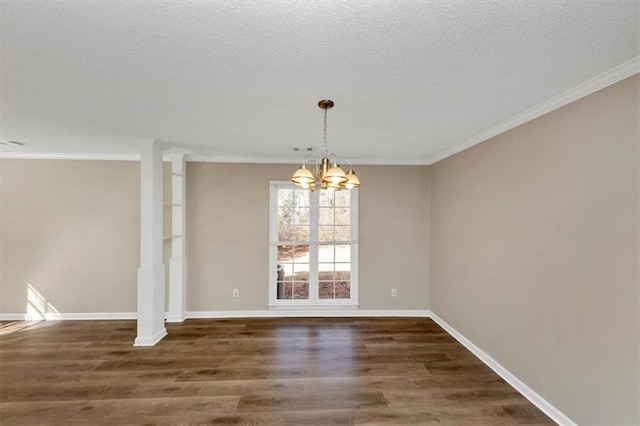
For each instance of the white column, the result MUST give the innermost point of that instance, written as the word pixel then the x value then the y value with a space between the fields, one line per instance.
pixel 178 262
pixel 151 272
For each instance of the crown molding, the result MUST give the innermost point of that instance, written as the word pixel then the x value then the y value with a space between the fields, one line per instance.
pixel 198 158
pixel 67 156
pixel 614 75
pixel 289 160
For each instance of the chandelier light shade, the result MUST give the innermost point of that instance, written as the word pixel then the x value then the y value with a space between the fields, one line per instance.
pixel 329 175
pixel 352 180
pixel 303 176
pixel 335 175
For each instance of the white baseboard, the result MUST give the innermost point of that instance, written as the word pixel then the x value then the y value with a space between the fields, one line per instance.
pixel 99 316
pixel 226 314
pixel 55 316
pixel 544 405
pixel 283 313
pixel 175 318
pixel 152 340
pixel 13 317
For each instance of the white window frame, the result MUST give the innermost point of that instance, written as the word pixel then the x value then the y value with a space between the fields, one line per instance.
pixel 314 301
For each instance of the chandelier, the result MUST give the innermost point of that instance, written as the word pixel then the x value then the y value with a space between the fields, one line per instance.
pixel 329 175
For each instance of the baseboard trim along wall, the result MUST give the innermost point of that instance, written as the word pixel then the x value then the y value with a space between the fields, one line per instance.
pixel 152 340
pixel 283 313
pixel 73 316
pixel 544 405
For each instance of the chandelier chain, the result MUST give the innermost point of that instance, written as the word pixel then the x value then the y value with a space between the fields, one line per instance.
pixel 326 149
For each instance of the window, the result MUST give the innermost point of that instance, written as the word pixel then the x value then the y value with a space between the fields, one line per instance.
pixel 314 247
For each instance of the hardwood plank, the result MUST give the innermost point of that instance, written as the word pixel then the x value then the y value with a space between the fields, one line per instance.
pixel 64 392
pixel 51 412
pixel 323 370
pixel 302 401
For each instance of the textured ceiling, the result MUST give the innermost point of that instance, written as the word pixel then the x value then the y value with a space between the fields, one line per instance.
pixel 410 79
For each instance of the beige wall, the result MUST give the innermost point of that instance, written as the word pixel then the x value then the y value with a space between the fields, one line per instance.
pixel 394 237
pixel 228 235
pixel 534 253
pixel 71 230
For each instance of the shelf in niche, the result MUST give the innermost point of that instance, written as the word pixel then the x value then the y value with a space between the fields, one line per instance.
pixel 176 174
pixel 171 237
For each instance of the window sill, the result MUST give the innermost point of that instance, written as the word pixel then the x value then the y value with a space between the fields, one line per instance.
pixel 350 306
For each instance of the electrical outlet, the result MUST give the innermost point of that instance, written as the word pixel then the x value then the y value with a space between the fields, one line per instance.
pixel 394 292
pixel 236 292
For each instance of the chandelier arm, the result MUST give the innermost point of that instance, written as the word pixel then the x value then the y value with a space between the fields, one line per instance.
pixel 310 159
pixel 333 157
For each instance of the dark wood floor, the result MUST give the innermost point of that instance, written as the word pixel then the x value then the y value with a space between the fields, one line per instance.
pixel 305 371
